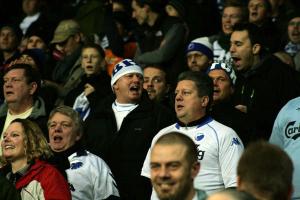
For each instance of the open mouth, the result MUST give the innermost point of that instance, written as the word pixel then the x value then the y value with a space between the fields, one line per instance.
pixel 179 107
pixel 8 92
pixel 254 14
pixel 57 138
pixel 134 88
pixel 236 60
pixel 216 90
pixel 89 67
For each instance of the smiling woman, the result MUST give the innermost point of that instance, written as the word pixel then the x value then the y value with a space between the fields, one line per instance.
pixel 24 147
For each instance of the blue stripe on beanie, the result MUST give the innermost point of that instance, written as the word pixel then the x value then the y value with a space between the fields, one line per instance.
pixel 226 68
pixel 201 48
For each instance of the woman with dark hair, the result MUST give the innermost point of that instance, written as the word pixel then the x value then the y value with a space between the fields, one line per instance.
pixel 23 150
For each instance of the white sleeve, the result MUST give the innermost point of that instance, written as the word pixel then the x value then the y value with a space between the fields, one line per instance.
pixel 231 149
pixel 146 166
pixel 104 183
pixel 278 130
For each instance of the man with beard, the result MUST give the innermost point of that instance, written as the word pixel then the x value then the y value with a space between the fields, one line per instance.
pixel 121 128
pixel 157 84
pixel 199 54
pixel 174 165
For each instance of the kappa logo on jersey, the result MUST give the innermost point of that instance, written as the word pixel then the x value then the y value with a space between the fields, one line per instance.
pixel 235 141
pixel 292 130
pixel 76 165
pixel 124 63
pixel 199 136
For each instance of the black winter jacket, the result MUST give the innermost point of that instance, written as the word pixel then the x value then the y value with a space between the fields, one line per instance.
pixel 126 149
pixel 264 90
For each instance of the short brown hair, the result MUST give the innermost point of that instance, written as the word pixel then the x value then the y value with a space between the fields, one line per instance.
pixel 266 171
pixel 238 4
pixel 31 75
pixel 179 138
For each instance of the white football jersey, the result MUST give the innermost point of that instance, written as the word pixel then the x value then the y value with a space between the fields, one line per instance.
pixel 219 150
pixel 89 177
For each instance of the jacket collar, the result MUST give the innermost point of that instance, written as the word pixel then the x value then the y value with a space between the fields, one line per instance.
pixel 199 122
pixel 37 111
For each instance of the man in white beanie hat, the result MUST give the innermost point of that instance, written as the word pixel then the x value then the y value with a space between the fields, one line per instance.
pixel 199 54
pixel 122 127
pixel 125 67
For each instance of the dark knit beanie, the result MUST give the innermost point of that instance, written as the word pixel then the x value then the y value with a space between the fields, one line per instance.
pixel 40 31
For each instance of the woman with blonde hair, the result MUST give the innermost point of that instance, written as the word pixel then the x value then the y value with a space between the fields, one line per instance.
pixel 23 150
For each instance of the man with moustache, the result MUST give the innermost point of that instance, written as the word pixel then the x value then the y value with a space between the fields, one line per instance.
pixel 199 54
pixel 157 84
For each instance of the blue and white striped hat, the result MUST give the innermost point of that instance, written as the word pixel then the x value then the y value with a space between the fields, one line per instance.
pixel 202 45
pixel 225 67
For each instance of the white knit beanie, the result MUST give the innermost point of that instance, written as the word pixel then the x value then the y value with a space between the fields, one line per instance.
pixel 126 66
